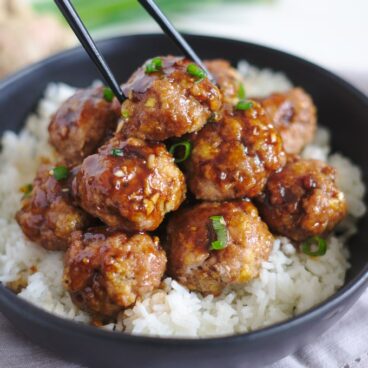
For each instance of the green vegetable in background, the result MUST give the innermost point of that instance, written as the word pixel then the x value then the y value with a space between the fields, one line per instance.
pixel 99 13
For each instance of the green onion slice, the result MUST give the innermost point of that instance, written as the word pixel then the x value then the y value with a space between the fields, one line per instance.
pixel 244 105
pixel 155 65
pixel 26 190
pixel 219 225
pixel 187 150
pixel 213 118
pixel 108 94
pixel 117 152
pixel 314 246
pixel 60 172
pixel 196 71
pixel 241 92
pixel 125 114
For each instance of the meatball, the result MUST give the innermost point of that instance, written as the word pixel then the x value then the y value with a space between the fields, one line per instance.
pixel 302 200
pixel 48 215
pixel 228 79
pixel 130 184
pixel 83 123
pixel 294 115
pixel 107 270
pixel 167 103
pixel 233 158
pixel 190 234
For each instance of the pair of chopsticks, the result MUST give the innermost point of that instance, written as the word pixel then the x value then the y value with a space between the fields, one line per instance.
pixel 72 17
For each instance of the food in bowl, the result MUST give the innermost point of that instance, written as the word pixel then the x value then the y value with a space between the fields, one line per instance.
pixel 144 253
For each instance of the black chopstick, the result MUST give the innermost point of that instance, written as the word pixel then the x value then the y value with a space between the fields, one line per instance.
pixel 88 44
pixel 156 13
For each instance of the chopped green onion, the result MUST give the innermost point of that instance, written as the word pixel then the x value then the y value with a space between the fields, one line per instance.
pixel 108 94
pixel 244 105
pixel 314 246
pixel 26 190
pixel 117 152
pixel 219 225
pixel 155 65
pixel 60 172
pixel 196 71
pixel 187 149
pixel 125 114
pixel 212 118
pixel 241 92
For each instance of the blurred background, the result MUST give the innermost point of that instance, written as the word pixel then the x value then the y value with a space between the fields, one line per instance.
pixel 332 33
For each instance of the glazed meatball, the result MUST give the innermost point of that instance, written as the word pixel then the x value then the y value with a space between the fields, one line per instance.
pixel 130 184
pixel 107 270
pixel 48 215
pixel 233 158
pixel 228 79
pixel 302 200
pixel 167 103
pixel 83 123
pixel 294 115
pixel 190 234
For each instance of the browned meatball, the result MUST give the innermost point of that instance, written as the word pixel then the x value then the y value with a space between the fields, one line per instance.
pixel 228 79
pixel 107 270
pixel 233 158
pixel 167 103
pixel 82 124
pixel 294 115
pixel 48 216
pixel 302 200
pixel 190 235
pixel 130 184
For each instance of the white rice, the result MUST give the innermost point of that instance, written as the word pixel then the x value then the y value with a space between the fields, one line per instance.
pixel 289 282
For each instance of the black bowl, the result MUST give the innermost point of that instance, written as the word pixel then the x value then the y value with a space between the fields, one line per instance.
pixel 341 107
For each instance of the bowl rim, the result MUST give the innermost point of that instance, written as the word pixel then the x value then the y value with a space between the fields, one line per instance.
pixel 43 317
pixel 105 41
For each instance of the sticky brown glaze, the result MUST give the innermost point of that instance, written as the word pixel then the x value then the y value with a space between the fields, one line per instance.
pixel 82 124
pixel 228 79
pixel 233 158
pixel 294 115
pixel 302 200
pixel 189 237
pixel 107 270
pixel 132 191
pixel 48 215
pixel 168 103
